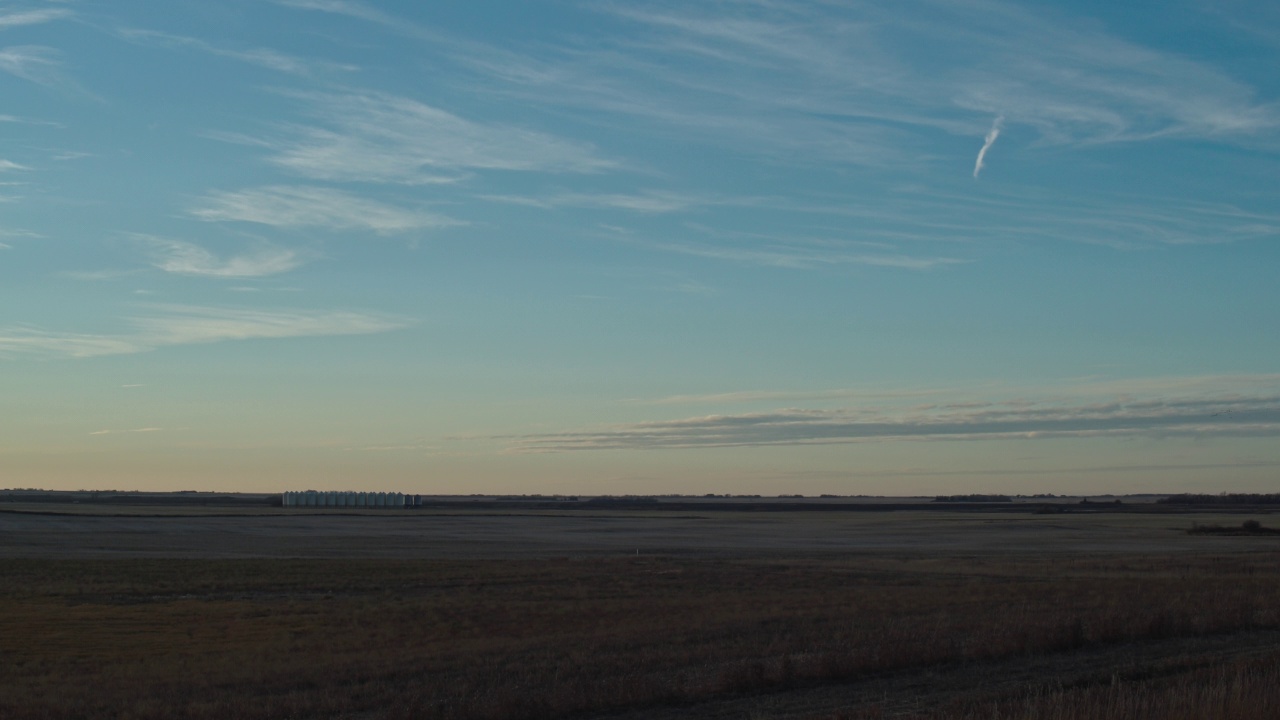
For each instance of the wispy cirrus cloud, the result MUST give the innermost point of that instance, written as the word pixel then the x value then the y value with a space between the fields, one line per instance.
pixel 12 233
pixel 28 121
pixel 1068 79
pixel 796 251
pixel 756 396
pixel 396 24
pixel 184 325
pixel 27 341
pixel 1127 221
pixel 992 135
pixel 308 206
pixel 134 430
pixel 378 137
pixel 185 258
pixel 1062 391
pixel 827 81
pixel 804 258
pixel 10 166
pixel 1226 415
pixel 262 57
pixel 343 7
pixel 649 201
pixel 32 17
pixel 168 325
pixel 36 63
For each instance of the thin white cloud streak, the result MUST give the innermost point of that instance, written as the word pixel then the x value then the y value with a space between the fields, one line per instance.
pixel 183 325
pixel 97 274
pixel 1064 391
pixel 24 341
pixel 306 206
pixel 1178 385
pixel 171 325
pixel 35 63
pixel 10 166
pixel 135 430
pixel 29 121
pixel 262 57
pixel 801 259
pixel 33 17
pixel 361 11
pixel 1019 214
pixel 992 135
pixel 378 137
pixel 647 202
pixel 650 201
pixel 754 396
pixel 795 252
pixel 342 7
pixel 185 258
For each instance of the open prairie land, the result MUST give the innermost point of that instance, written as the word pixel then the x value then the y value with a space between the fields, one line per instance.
pixel 806 615
pixel 61 531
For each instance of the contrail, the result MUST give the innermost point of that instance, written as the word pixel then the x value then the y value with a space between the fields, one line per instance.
pixel 992 134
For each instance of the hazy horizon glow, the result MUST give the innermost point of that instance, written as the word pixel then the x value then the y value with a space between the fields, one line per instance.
pixel 648 247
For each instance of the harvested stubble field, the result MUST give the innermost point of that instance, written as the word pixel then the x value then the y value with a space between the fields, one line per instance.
pixel 732 630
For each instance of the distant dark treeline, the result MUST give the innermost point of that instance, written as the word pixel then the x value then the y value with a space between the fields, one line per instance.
pixel 1248 527
pixel 972 498
pixel 1223 499
pixel 180 498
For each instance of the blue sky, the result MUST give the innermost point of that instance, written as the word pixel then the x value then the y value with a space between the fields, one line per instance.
pixel 644 247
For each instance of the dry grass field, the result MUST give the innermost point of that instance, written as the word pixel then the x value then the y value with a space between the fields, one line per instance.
pixel 770 624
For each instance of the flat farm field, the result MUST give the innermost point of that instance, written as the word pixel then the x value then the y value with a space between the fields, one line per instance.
pixel 806 615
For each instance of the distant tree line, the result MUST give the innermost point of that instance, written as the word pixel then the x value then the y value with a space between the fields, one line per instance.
pixel 972 498
pixel 1222 499
pixel 1248 527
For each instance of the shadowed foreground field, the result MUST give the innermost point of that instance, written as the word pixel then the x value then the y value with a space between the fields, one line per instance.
pixel 811 635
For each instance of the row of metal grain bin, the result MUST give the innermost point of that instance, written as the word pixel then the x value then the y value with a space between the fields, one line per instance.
pixel 339 498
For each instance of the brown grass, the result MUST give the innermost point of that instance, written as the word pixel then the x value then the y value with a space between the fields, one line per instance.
pixel 1238 690
pixel 196 639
